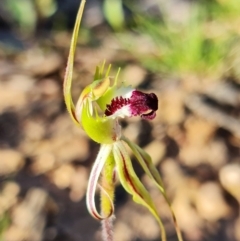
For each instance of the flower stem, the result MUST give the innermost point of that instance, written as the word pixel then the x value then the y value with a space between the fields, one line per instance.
pixel 107 197
pixel 107 229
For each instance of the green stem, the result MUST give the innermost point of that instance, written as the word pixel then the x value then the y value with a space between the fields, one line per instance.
pixel 107 197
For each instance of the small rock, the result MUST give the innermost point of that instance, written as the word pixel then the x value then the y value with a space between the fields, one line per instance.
pixel 14 233
pixel 8 196
pixel 79 184
pixel 75 148
pixel 214 154
pixel 10 161
pixel 10 98
pixel 237 229
pixel 14 91
pixel 210 202
pixel 230 179
pixel 140 221
pixel 156 150
pixel 39 62
pixel 146 226
pixel 199 131
pixel 28 218
pixel 171 107
pixel 62 176
pixel 122 232
pixel 48 87
pixel 188 219
pixel 132 131
pixel 134 74
pixel 43 163
pixel 34 130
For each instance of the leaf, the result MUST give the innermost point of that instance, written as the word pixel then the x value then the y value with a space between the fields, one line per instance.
pixel 114 13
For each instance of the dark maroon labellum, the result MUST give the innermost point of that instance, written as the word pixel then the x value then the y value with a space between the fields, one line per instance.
pixel 144 105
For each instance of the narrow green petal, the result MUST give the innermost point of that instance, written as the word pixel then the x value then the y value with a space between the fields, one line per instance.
pixel 132 184
pixel 147 165
pixel 91 93
pixel 69 69
pixel 98 165
pixel 107 97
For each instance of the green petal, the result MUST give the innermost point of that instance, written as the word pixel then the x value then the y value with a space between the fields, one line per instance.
pixel 91 93
pixel 147 165
pixel 107 97
pixel 132 184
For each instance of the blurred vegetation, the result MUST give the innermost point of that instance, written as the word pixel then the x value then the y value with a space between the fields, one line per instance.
pixel 24 14
pixel 114 13
pixel 202 40
pixel 197 37
pixel 4 223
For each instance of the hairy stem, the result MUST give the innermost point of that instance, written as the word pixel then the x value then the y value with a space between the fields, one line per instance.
pixel 107 197
pixel 107 229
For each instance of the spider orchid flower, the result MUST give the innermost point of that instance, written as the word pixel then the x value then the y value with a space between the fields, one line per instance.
pixel 97 111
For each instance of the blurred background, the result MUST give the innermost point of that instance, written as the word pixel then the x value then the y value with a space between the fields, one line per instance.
pixel 186 51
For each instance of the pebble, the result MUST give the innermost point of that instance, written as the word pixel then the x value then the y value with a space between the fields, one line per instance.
pixel 230 179
pixel 210 202
pixel 10 161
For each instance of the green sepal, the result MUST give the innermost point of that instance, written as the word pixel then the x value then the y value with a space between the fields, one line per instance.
pixel 132 184
pixel 69 69
pixel 106 98
pixel 146 162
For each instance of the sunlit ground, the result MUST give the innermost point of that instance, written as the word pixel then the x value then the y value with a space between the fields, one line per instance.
pixel 187 53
